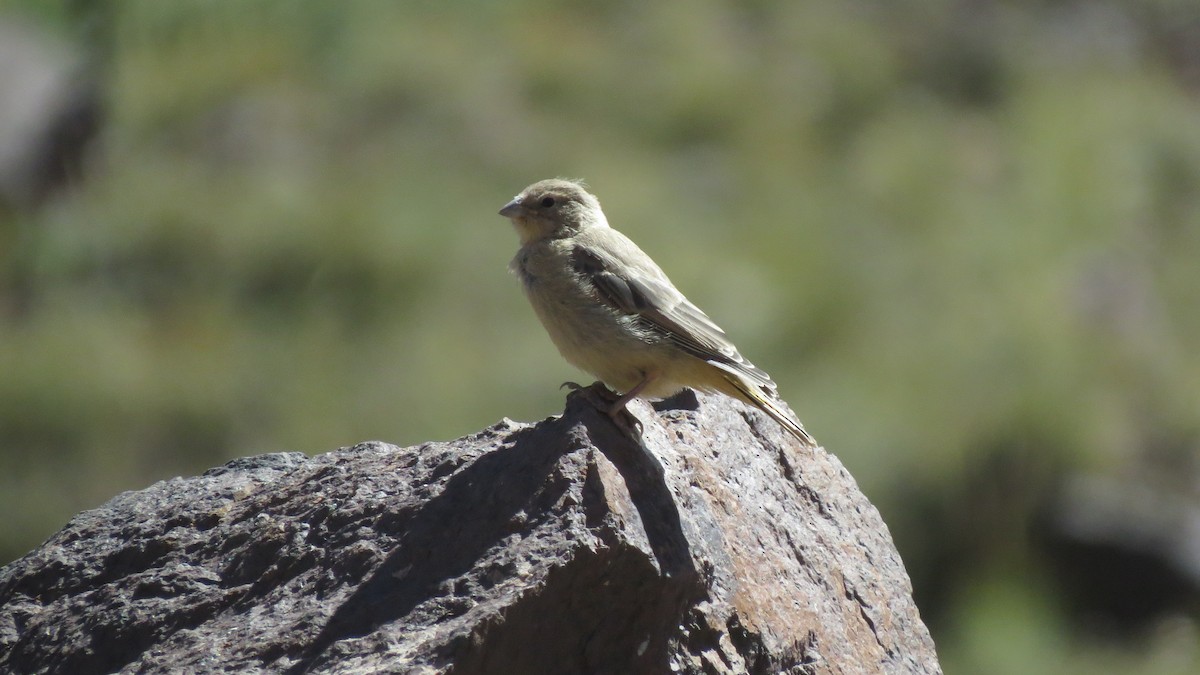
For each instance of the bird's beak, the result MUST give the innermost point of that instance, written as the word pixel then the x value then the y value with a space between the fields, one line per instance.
pixel 512 208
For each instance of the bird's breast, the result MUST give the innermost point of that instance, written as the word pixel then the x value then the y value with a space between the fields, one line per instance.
pixel 589 333
pixel 520 267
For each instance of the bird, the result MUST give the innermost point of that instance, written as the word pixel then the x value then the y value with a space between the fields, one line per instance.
pixel 612 312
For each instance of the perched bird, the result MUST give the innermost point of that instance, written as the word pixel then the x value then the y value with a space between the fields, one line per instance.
pixel 612 312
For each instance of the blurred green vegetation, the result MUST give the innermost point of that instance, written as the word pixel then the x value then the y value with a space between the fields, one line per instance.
pixel 962 236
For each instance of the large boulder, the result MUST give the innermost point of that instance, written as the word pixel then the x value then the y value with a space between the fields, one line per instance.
pixel 716 544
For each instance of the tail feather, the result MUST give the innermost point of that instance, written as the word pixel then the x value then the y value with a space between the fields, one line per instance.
pixel 786 419
pixel 774 406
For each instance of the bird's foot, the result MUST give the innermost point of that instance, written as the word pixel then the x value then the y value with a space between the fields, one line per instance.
pixel 608 402
pixel 625 421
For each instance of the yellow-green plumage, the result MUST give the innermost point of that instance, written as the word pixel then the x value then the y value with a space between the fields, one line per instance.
pixel 612 312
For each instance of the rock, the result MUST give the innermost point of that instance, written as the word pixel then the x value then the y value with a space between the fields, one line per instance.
pixel 1123 548
pixel 717 545
pixel 50 111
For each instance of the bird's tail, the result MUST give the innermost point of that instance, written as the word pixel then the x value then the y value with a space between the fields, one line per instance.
pixel 770 404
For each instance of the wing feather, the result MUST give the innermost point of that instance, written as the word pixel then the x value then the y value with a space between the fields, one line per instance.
pixel 634 286
pixel 644 292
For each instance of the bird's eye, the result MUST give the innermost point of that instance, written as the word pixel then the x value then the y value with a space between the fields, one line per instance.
pixel 547 202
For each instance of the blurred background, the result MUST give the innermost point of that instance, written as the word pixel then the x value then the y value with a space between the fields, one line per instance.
pixel 963 235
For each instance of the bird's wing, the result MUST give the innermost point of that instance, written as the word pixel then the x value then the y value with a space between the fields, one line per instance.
pixel 635 286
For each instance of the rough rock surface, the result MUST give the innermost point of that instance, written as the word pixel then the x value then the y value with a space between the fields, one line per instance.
pixel 716 545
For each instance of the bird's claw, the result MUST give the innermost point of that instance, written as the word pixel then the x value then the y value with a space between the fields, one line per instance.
pixel 605 400
pixel 599 395
pixel 573 386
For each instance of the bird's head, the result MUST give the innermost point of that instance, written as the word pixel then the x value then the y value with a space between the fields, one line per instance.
pixel 553 208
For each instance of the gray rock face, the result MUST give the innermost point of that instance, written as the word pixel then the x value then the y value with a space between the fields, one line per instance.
pixel 717 545
pixel 50 110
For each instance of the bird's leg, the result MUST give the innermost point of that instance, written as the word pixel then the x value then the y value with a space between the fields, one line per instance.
pixel 613 405
pixel 620 414
pixel 619 404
